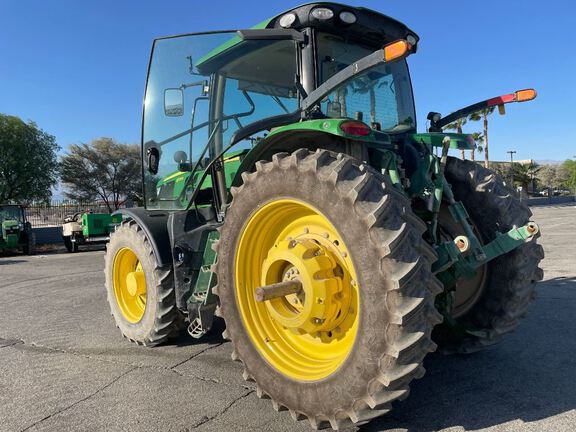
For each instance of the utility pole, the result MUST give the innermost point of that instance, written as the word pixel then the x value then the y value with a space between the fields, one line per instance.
pixel 511 153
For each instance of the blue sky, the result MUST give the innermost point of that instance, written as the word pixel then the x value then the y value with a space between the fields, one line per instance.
pixel 77 68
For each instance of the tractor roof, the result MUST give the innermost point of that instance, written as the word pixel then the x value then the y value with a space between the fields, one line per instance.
pixel 370 28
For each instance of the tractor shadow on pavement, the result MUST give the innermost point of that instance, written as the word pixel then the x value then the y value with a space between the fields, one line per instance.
pixel 213 337
pixel 528 377
pixel 10 261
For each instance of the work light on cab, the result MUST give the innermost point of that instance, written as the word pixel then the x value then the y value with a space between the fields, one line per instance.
pixel 287 20
pixel 347 17
pixel 322 13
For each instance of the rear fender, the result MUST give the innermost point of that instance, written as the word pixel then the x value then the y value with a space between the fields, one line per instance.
pixel 290 140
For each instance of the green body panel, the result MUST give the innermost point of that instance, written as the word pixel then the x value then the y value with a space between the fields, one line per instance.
pixel 98 224
pixel 205 280
pixel 232 163
pixel 436 139
pixel 10 234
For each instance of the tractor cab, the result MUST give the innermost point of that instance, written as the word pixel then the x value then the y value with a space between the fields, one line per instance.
pixel 213 97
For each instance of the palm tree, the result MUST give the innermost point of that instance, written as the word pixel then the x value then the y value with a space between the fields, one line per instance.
pixel 457 126
pixel 483 114
pixel 479 140
pixel 524 174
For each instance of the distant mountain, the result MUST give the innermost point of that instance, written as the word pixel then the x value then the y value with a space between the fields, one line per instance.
pixel 548 162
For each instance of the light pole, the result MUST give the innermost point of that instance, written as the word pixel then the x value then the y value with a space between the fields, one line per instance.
pixel 511 153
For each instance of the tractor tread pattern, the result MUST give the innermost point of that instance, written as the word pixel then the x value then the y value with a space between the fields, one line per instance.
pixel 513 288
pixel 168 320
pixel 410 287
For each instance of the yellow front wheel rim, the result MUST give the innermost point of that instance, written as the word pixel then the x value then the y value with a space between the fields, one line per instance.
pixel 306 336
pixel 129 285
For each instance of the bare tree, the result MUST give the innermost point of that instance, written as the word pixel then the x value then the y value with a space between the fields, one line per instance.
pixel 103 169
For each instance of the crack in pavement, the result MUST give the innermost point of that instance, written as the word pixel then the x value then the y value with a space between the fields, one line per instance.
pixel 197 354
pixel 16 342
pixel 218 414
pixel 79 401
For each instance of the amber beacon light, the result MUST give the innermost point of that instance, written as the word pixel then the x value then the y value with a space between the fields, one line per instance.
pixel 396 50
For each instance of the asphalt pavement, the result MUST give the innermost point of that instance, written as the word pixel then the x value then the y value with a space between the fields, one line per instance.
pixel 65 367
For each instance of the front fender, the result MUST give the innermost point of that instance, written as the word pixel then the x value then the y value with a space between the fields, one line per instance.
pixel 154 225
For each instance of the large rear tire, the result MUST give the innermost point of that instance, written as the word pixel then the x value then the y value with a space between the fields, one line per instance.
pixel 140 292
pixel 347 345
pixel 499 297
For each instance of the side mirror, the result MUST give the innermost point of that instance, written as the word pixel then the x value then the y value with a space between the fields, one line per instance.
pixel 173 102
pixel 180 157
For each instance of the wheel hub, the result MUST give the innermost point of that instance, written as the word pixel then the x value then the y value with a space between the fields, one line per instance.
pixel 135 283
pixel 317 307
pixel 305 334
pixel 129 282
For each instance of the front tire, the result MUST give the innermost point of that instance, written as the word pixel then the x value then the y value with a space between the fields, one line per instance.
pixel 140 292
pixel 347 345
pixel 70 245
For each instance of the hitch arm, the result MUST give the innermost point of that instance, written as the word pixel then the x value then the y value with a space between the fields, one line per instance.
pixel 452 265
pixel 504 243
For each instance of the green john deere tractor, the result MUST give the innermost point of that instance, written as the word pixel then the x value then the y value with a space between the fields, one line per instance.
pixel 16 230
pixel 288 192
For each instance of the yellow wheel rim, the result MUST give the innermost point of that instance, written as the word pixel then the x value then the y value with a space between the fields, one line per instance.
pixel 307 335
pixel 129 285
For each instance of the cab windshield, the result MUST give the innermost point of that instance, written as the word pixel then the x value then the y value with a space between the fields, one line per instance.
pixel 225 84
pixel 381 97
pixel 11 213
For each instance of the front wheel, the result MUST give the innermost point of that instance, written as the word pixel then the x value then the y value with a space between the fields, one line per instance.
pixel 339 350
pixel 140 292
pixel 70 245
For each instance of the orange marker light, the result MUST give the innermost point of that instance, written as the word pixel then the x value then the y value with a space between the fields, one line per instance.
pixel 396 49
pixel 525 95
